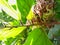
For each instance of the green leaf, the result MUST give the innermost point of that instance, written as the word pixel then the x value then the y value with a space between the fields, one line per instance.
pixel 57 16
pixel 13 41
pixel 37 37
pixel 14 6
pixel 10 10
pixel 57 6
pixel 57 9
pixel 24 7
pixel 6 0
pixel 0 43
pixel 10 41
pixel 14 23
pixel 7 33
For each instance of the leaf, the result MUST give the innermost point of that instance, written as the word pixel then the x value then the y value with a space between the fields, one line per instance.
pixel 24 7
pixel 7 33
pixel 6 0
pixel 37 37
pixel 57 16
pixel 30 15
pixel 10 10
pixel 0 43
pixel 14 6
pixel 10 41
pixel 14 23
pixel 13 41
pixel 57 6
pixel 57 10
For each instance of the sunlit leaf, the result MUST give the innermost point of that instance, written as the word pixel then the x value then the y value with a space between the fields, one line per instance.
pixel 24 7
pixel 7 33
pixel 30 15
pixel 10 10
pixel 14 23
pixel 37 37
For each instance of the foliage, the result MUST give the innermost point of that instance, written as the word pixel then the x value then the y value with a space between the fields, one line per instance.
pixel 37 37
pixel 29 23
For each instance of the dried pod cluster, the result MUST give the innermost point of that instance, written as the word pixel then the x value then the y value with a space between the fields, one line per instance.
pixel 42 6
pixel 43 11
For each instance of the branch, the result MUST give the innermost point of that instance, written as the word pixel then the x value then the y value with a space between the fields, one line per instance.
pixel 26 25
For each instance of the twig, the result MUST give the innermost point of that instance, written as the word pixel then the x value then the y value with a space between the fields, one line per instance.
pixel 53 23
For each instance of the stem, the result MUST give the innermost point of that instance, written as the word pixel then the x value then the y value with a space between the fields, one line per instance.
pixel 53 23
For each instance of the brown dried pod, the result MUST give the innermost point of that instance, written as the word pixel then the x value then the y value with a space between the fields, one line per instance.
pixel 41 8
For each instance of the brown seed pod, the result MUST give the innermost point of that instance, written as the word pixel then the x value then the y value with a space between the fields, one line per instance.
pixel 41 8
